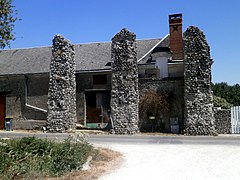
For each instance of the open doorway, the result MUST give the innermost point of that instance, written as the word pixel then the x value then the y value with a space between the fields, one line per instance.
pixel 97 108
pixel 2 110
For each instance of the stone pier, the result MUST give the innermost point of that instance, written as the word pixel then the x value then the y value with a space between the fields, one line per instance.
pixel 199 115
pixel 62 87
pixel 124 95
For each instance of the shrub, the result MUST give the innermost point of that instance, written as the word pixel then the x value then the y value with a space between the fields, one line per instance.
pixel 221 102
pixel 30 157
pixel 154 104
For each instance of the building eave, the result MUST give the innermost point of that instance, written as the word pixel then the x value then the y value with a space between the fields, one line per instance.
pixel 153 48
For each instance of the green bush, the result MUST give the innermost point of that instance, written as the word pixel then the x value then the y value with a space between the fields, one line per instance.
pixel 221 102
pixel 30 157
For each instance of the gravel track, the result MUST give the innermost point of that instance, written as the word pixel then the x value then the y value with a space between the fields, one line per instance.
pixel 176 162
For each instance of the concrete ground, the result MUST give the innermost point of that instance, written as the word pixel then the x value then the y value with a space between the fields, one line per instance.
pixel 176 162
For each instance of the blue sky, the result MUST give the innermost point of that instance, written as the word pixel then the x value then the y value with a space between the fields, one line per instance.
pixel 83 21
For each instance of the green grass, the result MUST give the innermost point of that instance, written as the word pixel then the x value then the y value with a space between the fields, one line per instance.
pixel 31 158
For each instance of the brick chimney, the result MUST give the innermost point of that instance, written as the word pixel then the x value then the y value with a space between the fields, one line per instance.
pixel 176 42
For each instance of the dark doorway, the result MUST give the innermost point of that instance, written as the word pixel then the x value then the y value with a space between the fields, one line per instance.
pixel 97 108
pixel 2 110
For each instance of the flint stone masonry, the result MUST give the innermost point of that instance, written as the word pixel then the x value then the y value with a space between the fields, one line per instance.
pixel 62 87
pixel 223 120
pixel 199 116
pixel 124 94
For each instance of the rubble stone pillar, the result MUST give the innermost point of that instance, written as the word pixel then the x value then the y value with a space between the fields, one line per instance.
pixel 199 115
pixel 124 95
pixel 62 87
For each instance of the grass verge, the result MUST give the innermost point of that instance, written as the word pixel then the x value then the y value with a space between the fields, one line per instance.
pixel 33 158
pixel 104 161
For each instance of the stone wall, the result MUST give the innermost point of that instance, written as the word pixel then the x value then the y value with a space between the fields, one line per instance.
pixel 35 86
pixel 199 118
pixel 124 95
pixel 223 120
pixel 62 87
pixel 14 88
pixel 37 90
pixel 36 95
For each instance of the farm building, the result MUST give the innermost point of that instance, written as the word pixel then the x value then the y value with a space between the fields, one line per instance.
pixel 168 68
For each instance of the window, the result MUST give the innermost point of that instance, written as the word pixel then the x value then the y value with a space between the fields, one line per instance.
pixel 99 79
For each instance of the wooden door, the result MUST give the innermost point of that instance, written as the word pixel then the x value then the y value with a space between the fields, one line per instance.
pixel 93 112
pixel 2 110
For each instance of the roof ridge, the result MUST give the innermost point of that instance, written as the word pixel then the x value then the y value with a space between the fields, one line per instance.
pixel 111 41
pixel 87 43
pixel 25 48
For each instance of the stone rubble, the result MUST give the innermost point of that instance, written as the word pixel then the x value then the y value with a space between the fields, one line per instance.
pixel 199 115
pixel 124 95
pixel 223 120
pixel 62 87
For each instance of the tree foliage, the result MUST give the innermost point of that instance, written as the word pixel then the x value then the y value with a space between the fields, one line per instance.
pixel 221 102
pixel 228 92
pixel 7 19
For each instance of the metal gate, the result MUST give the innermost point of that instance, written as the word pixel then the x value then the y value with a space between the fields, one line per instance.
pixel 235 119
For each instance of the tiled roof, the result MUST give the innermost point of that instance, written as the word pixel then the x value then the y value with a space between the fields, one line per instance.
pixel 89 57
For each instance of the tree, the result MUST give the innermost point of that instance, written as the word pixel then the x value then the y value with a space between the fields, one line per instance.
pixel 228 92
pixel 7 20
